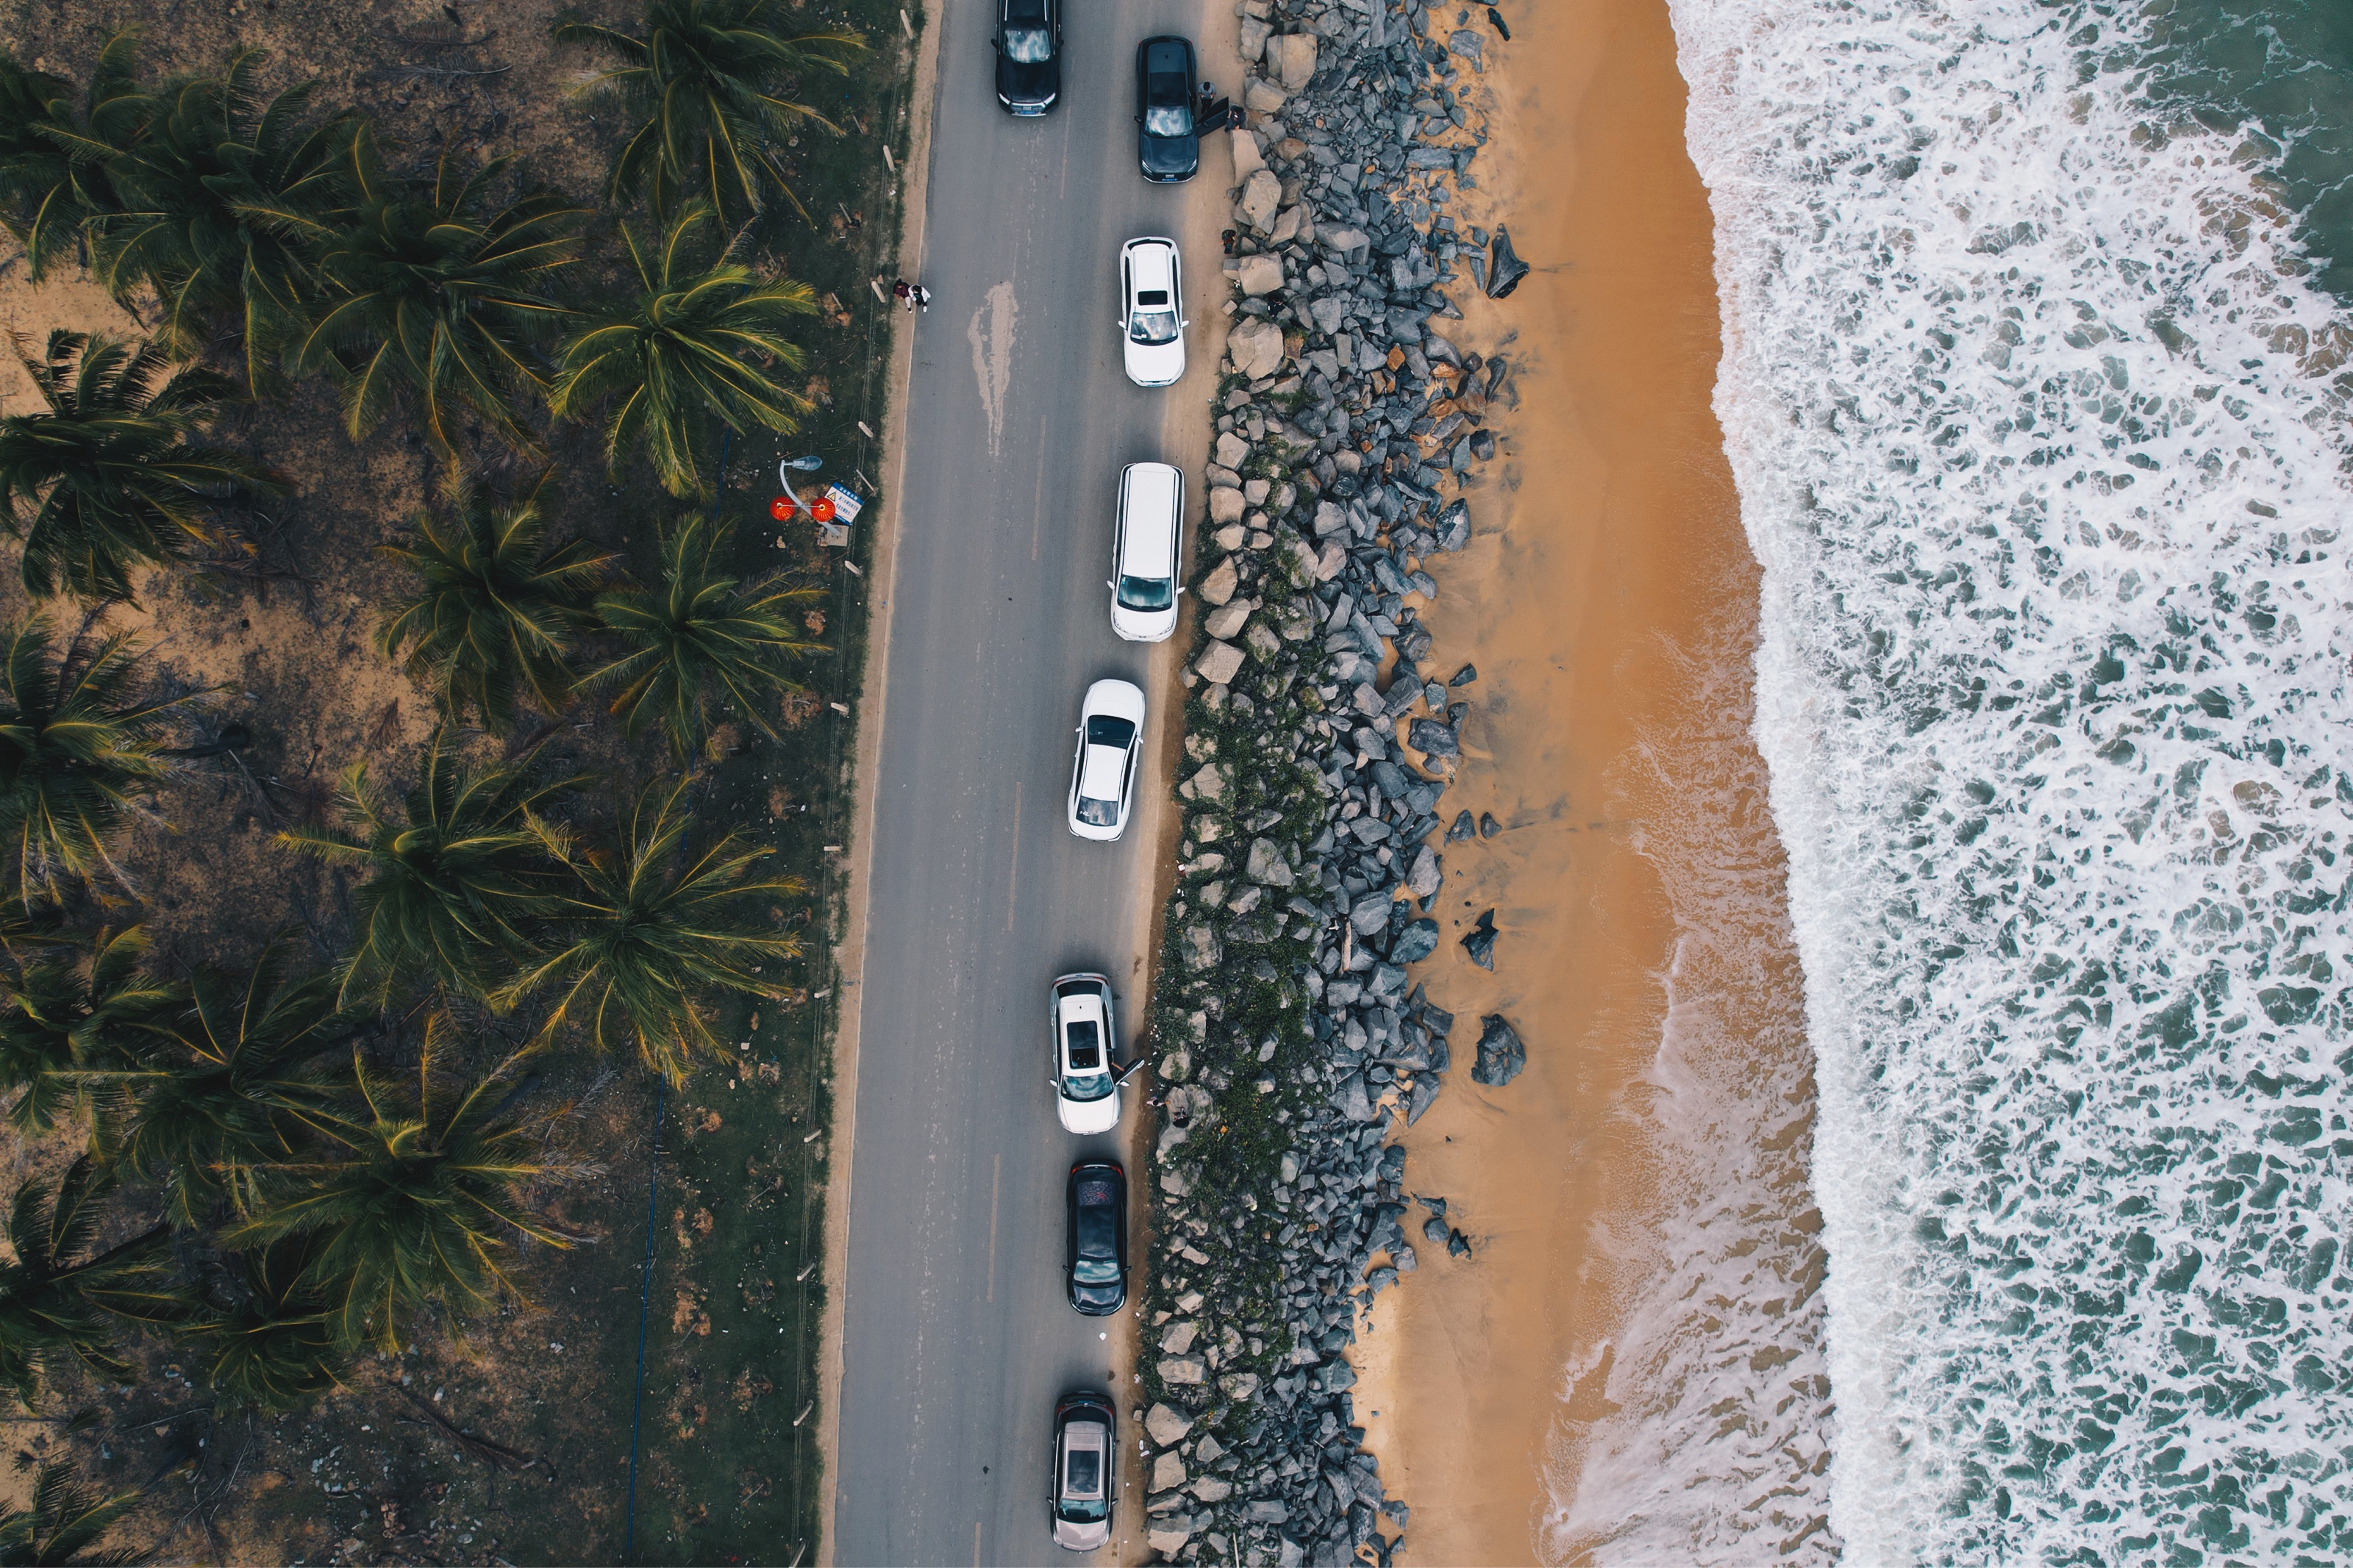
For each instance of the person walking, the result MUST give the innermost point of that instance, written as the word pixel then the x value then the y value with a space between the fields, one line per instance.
pixel 904 292
pixel 921 295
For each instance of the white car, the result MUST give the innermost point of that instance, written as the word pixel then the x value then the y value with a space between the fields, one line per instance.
pixel 1086 1089
pixel 1152 311
pixel 1146 552
pixel 1110 744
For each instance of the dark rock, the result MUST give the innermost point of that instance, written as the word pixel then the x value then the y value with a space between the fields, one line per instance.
pixel 1488 825
pixel 1505 268
pixel 1435 1205
pixel 1414 943
pixel 1478 941
pixel 1454 526
pixel 1425 1093
pixel 1463 828
pixel 1433 1229
pixel 1458 1244
pixel 1371 912
pixel 1432 738
pixel 1500 1054
pixel 1482 445
pixel 1464 675
pixel 1390 779
pixel 1494 20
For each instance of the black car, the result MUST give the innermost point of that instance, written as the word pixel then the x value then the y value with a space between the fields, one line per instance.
pixel 1086 1462
pixel 1095 1255
pixel 1168 140
pixel 1028 45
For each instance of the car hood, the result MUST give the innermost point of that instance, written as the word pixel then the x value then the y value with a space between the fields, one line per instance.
pixel 1142 626
pixel 1173 156
pixel 1098 1300
pixel 1082 1537
pixel 1033 83
pixel 1089 1116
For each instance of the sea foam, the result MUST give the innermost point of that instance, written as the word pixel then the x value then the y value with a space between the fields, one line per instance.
pixel 2040 440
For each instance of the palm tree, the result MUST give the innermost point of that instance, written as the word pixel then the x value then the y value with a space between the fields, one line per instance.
pixel 53 177
pixel 66 1520
pixel 701 640
pixel 416 1199
pixel 79 751
pixel 699 344
pixel 653 928
pixel 706 89
pixel 61 1298
pixel 496 604
pixel 226 199
pixel 225 1079
pixel 458 883
pixel 434 290
pixel 116 473
pixel 68 1027
pixel 273 1348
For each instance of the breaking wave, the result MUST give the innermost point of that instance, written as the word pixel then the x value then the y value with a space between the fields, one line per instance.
pixel 2039 425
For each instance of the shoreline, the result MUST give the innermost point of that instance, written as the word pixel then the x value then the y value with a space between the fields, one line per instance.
pixel 1609 605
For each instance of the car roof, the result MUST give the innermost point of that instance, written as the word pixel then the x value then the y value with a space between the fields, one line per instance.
pixel 1151 262
pixel 1099 776
pixel 1151 491
pixel 1167 54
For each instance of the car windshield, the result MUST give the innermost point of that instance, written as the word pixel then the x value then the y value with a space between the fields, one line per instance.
pixel 1027 46
pixel 1146 592
pixel 1169 120
pixel 1088 1077
pixel 1154 321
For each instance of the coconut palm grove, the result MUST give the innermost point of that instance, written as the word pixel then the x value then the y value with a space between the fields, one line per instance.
pixel 276 1155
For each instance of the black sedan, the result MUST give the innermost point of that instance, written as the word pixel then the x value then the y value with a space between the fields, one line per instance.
pixel 1169 142
pixel 1095 1254
pixel 1028 45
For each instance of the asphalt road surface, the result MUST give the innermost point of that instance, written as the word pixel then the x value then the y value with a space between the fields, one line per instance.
pixel 957 1335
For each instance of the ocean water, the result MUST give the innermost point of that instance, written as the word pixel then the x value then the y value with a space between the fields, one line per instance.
pixel 2035 384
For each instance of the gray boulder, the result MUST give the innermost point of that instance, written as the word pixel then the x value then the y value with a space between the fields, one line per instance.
pixel 1432 738
pixel 1292 58
pixel 1268 866
pixel 1500 1054
pixel 1416 942
pixel 1478 941
pixel 1167 1427
pixel 1221 661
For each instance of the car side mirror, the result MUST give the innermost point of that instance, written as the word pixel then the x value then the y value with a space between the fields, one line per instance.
pixel 1109 584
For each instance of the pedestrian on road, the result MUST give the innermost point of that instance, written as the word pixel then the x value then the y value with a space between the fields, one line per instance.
pixel 904 292
pixel 923 297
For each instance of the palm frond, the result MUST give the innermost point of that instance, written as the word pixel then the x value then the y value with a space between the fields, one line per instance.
pixel 415 1198
pixel 80 750
pixel 459 883
pixel 497 603
pixel 702 345
pixel 701 642
pixel 65 1524
pixel 61 1296
pixel 431 286
pixel 115 473
pixel 654 928
pixel 706 89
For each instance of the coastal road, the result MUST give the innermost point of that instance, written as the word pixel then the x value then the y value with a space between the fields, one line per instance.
pixel 957 1335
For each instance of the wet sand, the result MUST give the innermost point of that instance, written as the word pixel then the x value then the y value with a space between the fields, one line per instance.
pixel 1608 600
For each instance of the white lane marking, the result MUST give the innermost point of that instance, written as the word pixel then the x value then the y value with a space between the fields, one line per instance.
pixel 991 332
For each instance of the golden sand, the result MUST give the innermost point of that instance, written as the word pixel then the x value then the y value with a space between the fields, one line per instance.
pixel 1606 551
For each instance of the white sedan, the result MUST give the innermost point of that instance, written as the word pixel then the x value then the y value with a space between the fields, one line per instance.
pixel 1110 744
pixel 1152 311
pixel 1146 546
pixel 1086 1089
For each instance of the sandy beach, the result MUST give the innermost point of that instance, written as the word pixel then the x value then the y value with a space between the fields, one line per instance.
pixel 1608 603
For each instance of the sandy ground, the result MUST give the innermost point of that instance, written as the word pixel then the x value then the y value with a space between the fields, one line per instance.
pixel 1607 558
